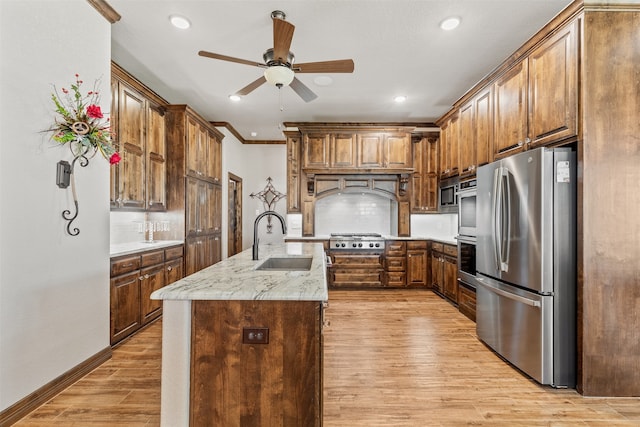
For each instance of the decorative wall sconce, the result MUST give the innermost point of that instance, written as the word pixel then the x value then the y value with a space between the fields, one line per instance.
pixel 269 196
pixel 64 177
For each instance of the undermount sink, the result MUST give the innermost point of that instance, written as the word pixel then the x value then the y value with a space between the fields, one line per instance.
pixel 286 264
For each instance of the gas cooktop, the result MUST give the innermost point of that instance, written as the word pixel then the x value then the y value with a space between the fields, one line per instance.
pixel 356 241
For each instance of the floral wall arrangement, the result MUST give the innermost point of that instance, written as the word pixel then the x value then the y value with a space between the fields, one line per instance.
pixel 79 124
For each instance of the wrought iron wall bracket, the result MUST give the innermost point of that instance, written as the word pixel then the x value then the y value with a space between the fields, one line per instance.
pixel 64 176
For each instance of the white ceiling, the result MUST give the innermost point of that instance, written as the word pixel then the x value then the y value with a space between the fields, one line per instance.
pixel 397 47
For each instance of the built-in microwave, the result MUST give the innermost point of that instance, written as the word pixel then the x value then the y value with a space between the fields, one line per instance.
pixel 448 196
pixel 467 208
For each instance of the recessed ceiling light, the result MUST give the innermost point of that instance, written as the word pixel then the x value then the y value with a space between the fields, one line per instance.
pixel 323 80
pixel 234 98
pixel 450 23
pixel 179 22
pixel 254 134
pixel 400 98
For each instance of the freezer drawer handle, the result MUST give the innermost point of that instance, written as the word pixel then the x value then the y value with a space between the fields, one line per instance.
pixel 527 301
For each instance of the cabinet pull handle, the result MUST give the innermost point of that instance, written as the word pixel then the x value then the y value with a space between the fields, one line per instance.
pixel 146 276
pixel 140 278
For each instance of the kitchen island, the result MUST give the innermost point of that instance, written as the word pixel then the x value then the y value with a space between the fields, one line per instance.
pixel 243 346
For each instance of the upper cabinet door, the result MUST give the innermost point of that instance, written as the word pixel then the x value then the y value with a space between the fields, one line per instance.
pixel 316 150
pixel 370 150
pixel 510 126
pixel 156 159
pixel 483 127
pixel 343 150
pixel 131 143
pixel 466 141
pixel 398 151
pixel 553 88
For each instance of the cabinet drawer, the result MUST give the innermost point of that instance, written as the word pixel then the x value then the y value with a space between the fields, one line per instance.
pixel 437 247
pixel 467 302
pixel 451 250
pixel 416 244
pixel 396 263
pixel 396 279
pixel 125 265
pixel 152 258
pixel 173 253
pixel 395 248
pixel 352 260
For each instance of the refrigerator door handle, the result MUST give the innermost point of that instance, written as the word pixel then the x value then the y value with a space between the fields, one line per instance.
pixel 497 220
pixel 509 295
pixel 506 238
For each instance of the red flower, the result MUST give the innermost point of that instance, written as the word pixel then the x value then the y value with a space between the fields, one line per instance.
pixel 94 111
pixel 114 159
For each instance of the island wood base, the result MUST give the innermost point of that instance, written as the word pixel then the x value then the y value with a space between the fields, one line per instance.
pixel 236 383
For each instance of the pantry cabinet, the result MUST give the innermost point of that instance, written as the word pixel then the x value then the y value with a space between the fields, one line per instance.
pixel 195 184
pixel 134 278
pixel 138 180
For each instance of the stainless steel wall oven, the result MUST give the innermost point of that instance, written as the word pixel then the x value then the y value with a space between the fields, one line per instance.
pixel 467 260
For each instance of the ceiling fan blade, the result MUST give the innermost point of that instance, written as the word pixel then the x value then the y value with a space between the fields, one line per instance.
pixel 229 58
pixel 303 91
pixel 282 36
pixel 337 66
pixel 251 86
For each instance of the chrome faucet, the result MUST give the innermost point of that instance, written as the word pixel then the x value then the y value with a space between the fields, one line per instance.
pixel 255 229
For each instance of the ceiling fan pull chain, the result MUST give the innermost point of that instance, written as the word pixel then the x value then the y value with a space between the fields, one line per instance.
pixel 280 96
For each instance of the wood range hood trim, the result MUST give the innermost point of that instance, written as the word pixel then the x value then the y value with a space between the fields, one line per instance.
pixel 391 186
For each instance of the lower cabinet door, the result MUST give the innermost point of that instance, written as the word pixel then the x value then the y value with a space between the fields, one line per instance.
pixel 152 278
pixel 125 305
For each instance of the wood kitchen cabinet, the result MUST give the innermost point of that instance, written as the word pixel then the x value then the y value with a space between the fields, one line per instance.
pixel 343 150
pixel 195 184
pixel 138 180
pixel 449 140
pixel 294 147
pixel 424 181
pixel 384 150
pixel 316 150
pixel 510 111
pixel 395 263
pixel 444 270
pixel 536 100
pixel 134 278
pixel 467 300
pixel 355 270
pixel 238 382
pixel 475 133
pixel 417 264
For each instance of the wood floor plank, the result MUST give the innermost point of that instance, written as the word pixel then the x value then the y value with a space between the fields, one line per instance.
pixel 392 358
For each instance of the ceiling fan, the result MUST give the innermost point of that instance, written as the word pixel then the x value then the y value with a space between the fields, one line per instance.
pixel 279 62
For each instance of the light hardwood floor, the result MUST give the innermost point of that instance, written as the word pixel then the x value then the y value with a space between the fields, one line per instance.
pixel 392 358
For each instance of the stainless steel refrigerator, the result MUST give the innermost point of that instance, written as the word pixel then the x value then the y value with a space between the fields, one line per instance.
pixel 526 262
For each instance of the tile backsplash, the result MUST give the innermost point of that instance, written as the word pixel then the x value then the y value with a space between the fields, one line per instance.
pixel 355 213
pixel 128 227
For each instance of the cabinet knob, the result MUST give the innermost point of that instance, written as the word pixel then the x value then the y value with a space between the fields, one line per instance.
pixel 169 268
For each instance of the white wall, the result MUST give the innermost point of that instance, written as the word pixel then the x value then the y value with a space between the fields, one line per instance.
pixel 54 288
pixel 254 164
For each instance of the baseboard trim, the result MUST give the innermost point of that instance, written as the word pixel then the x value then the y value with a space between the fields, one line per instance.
pixel 23 407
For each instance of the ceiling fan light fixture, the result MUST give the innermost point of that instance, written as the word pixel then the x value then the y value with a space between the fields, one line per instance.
pixel 179 22
pixel 279 75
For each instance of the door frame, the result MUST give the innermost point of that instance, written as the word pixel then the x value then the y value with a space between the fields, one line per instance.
pixel 234 237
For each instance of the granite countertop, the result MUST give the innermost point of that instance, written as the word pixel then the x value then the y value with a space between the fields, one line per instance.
pixel 450 240
pixel 120 249
pixel 236 278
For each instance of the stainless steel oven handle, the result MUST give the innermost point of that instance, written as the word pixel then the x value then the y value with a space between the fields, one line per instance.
pixel 518 298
